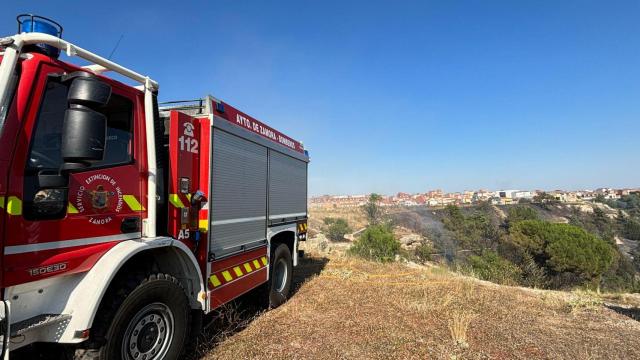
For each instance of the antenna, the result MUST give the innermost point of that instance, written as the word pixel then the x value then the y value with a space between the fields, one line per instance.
pixel 115 47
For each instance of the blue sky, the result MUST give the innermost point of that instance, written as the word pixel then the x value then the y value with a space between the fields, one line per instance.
pixel 395 96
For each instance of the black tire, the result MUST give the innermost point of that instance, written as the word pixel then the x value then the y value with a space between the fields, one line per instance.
pixel 278 286
pixel 152 312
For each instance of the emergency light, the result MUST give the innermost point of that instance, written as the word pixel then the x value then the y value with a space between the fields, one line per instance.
pixel 28 23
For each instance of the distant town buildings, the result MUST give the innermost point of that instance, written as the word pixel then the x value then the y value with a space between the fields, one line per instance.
pixel 438 198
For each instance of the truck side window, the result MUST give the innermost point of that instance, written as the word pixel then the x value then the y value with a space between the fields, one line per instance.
pixel 46 145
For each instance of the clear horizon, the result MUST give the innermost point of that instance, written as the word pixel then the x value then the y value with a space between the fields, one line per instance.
pixel 445 191
pixel 400 96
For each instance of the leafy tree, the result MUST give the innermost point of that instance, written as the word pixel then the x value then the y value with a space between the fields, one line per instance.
pixel 604 226
pixel 454 219
pixel 520 213
pixel 372 209
pixel 597 222
pixel 563 248
pixel 533 275
pixel 470 231
pixel 621 277
pixel 336 228
pixel 376 243
pixel 600 199
pixel 630 203
pixel 545 200
pixel 636 258
pixel 579 252
pixel 631 229
pixel 484 207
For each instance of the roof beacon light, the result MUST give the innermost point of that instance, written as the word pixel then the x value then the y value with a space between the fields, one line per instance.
pixel 28 23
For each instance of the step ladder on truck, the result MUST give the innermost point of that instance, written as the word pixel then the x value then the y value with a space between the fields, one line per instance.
pixel 123 222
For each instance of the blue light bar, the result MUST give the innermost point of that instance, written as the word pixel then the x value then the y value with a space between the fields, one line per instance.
pixel 28 23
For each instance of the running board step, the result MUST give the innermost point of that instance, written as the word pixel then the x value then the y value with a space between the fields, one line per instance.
pixel 35 322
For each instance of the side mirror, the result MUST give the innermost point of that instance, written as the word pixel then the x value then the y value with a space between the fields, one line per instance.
pixel 84 134
pixel 85 129
pixel 87 90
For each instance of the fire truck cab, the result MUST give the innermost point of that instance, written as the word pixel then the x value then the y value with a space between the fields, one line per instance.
pixel 123 222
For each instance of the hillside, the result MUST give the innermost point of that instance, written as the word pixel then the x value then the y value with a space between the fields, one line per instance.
pixel 353 309
pixel 350 308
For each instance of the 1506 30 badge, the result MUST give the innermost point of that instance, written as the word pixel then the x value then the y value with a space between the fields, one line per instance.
pixel 100 197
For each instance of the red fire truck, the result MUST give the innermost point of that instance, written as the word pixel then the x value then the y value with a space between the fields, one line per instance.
pixel 123 222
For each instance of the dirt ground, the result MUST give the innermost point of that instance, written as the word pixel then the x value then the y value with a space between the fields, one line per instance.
pixel 350 309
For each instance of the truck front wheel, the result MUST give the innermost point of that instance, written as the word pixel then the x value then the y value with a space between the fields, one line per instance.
pixel 281 271
pixel 144 318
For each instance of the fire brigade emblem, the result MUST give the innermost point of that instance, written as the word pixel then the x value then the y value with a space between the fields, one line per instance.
pixel 100 198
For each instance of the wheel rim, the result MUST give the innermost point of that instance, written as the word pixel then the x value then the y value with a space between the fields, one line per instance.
pixel 149 333
pixel 280 275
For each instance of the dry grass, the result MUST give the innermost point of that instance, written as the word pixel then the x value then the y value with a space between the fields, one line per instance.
pixel 458 326
pixel 361 310
pixel 355 218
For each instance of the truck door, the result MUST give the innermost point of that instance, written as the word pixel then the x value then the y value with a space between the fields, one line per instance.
pixel 53 230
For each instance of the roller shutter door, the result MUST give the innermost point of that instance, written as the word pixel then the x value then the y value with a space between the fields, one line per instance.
pixel 239 194
pixel 287 187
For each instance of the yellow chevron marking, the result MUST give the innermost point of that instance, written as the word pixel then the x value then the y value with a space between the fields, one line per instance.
pixel 203 225
pixel 264 260
pixel 14 206
pixel 238 271
pixel 174 199
pixel 248 268
pixel 71 209
pixel 227 276
pixel 215 281
pixel 256 264
pixel 133 203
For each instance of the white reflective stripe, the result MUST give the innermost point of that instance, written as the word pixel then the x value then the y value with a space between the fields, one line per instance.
pixel 20 249
pixel 282 216
pixel 238 220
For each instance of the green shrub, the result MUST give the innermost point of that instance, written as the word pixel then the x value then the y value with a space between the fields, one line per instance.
pixel 492 267
pixel 373 211
pixel 631 229
pixel 563 248
pixel 519 213
pixel 470 231
pixel 530 236
pixel 336 229
pixel 545 200
pixel 423 252
pixel 377 243
pixel 533 275
pixel 621 277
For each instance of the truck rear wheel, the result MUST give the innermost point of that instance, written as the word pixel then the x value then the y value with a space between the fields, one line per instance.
pixel 145 319
pixel 281 271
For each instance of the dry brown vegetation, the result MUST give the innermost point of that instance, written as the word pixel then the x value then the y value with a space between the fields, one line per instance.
pixel 356 219
pixel 353 309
